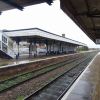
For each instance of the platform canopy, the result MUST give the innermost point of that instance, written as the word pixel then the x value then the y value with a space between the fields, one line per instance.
pixel 19 4
pixel 38 35
pixel 86 14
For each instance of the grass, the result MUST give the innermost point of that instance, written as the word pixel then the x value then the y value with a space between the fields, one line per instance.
pixel 9 83
pixel 20 98
pixel 23 77
pixel 3 64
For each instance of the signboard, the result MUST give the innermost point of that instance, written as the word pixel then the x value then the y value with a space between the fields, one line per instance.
pixel 97 41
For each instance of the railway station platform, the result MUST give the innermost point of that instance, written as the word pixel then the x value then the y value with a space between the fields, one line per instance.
pixel 14 62
pixel 87 86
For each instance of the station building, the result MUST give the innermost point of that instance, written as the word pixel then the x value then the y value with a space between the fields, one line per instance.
pixel 34 42
pixel 86 14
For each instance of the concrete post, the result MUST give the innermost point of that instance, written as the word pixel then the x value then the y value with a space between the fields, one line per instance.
pixel 17 56
pixel 30 50
pixel 46 42
pixel 53 46
pixel 35 49
pixel 60 47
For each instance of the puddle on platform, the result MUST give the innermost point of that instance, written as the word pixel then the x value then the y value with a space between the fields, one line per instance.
pixel 6 62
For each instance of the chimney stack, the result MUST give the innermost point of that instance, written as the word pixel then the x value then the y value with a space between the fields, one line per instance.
pixel 63 35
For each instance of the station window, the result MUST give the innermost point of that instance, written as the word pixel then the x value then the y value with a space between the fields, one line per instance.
pixel 4 39
pixel 4 47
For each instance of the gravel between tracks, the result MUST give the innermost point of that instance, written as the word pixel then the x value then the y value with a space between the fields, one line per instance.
pixel 11 71
pixel 30 86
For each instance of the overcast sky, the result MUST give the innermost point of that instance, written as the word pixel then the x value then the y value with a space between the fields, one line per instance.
pixel 49 18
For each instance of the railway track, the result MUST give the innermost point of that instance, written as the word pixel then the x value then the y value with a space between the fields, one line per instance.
pixel 58 87
pixel 13 90
pixel 22 78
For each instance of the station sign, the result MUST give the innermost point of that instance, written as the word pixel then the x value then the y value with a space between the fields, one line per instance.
pixel 97 41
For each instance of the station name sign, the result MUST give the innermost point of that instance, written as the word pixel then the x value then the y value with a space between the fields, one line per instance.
pixel 97 41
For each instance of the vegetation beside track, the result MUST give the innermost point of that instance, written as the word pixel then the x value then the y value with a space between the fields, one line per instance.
pixel 4 85
pixel 21 94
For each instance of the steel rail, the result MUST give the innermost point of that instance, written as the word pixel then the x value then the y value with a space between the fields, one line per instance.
pixel 48 84
pixel 15 85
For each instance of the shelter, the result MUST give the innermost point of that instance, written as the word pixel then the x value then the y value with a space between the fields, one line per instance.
pixel 41 41
pixel 85 13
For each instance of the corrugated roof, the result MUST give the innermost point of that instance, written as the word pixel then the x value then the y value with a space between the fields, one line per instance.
pixel 86 14
pixel 20 4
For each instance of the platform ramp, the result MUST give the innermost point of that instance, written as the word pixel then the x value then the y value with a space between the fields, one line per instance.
pixel 6 47
pixel 7 53
pixel 4 55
